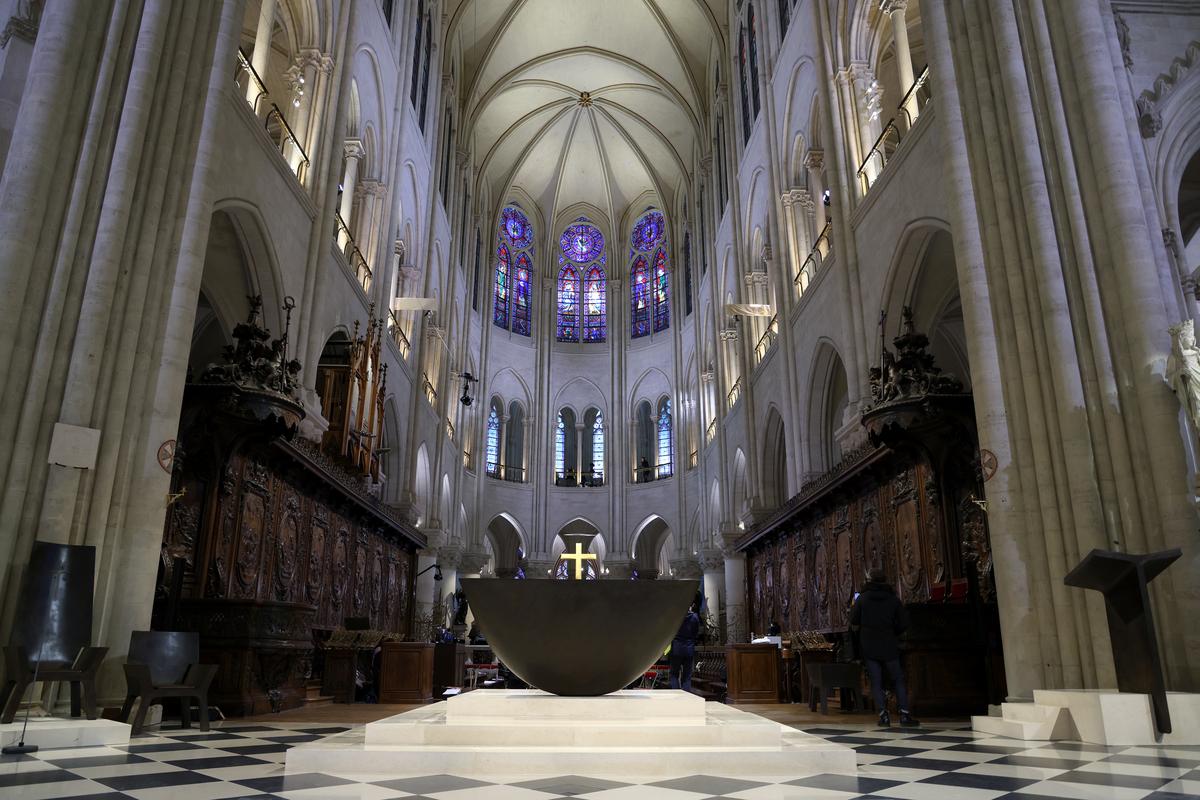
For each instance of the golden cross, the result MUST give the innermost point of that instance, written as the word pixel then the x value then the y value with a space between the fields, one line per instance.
pixel 578 557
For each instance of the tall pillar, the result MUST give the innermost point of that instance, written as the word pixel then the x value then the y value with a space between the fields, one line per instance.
pixel 814 162
pixel 895 9
pixel 712 563
pixel 449 556
pixel 579 452
pixel 353 152
pixel 735 597
pixel 261 56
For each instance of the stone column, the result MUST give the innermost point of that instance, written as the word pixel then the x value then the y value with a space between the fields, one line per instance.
pixel 712 563
pixel 261 56
pixel 895 9
pixel 1191 295
pixel 353 152
pixel 449 556
pixel 579 452
pixel 814 162
pixel 735 597
pixel 617 569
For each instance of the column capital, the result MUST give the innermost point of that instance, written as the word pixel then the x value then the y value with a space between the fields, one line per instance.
pixel 814 158
pixel 617 569
pixel 472 562
pixel 706 163
pixel 353 148
pixel 312 58
pixel 892 6
pixel 712 560
pixel 450 555
pixel 686 567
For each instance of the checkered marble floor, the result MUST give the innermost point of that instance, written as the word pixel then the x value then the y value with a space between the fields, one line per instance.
pixel 246 760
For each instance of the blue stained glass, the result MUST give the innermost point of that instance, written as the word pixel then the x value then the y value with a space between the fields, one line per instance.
pixel 560 447
pixel 648 230
pixel 640 312
pixel 662 304
pixel 664 439
pixel 516 226
pixel 521 293
pixel 594 323
pixel 568 305
pixel 598 447
pixel 500 306
pixel 581 242
pixel 493 443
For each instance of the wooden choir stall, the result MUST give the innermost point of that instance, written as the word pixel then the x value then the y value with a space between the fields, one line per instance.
pixel 271 541
pixel 910 500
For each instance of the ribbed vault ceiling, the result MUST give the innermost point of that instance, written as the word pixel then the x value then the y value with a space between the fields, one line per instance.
pixel 525 65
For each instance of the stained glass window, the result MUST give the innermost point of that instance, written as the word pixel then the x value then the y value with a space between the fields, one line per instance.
pixel 594 324
pixel 648 231
pixel 516 226
pixel 598 448
pixel 745 85
pixel 560 447
pixel 568 305
pixel 500 309
pixel 521 292
pixel 640 313
pixel 687 273
pixel 581 242
pixel 664 438
pixel 493 443
pixel 662 304
pixel 755 103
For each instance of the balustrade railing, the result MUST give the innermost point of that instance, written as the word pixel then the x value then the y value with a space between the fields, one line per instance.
pixel 812 265
pixel 275 123
pixel 735 393
pixel 693 459
pixel 767 340
pixel 914 102
pixel 710 432
pixel 430 392
pixel 450 429
pixel 354 257
pixel 396 329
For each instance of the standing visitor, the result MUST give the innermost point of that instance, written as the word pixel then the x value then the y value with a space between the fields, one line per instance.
pixel 879 618
pixel 683 650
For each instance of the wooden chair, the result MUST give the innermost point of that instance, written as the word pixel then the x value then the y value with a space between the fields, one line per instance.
pixel 80 673
pixel 164 664
pixel 846 678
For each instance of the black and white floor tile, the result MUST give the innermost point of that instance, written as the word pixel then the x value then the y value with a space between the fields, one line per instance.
pixel 931 763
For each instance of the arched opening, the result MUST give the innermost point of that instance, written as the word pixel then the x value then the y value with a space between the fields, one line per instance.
pixel 514 445
pixel 566 449
pixel 1189 215
pixel 578 550
pixel 828 405
pixel 774 471
pixel 507 543
pixel 650 548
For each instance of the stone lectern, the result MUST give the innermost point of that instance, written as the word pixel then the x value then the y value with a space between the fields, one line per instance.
pixel 1123 579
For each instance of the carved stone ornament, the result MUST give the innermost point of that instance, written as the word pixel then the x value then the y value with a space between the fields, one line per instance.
pixel 1149 117
pixel 1123 38
pixel 256 361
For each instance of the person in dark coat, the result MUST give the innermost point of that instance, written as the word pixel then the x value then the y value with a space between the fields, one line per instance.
pixel 878 617
pixel 683 650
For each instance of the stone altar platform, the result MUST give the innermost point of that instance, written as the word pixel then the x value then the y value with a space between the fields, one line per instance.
pixel 1097 717
pixel 56 733
pixel 651 733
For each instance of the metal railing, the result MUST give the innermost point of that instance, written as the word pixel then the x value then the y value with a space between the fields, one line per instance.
pixel 914 102
pixel 396 329
pixel 710 432
pixel 816 259
pixel 693 459
pixel 354 257
pixel 255 91
pixel 735 393
pixel 430 392
pixel 767 340
pixel 450 429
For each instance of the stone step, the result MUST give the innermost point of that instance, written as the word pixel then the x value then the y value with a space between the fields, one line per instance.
pixel 797 754
pixel 1027 721
pixel 998 726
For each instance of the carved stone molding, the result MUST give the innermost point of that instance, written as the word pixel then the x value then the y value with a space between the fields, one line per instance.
pixel 712 560
pixel 815 159
pixel 23 24
pixel 353 148
pixel 1150 102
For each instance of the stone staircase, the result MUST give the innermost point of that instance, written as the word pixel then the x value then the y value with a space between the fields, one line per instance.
pixel 1028 721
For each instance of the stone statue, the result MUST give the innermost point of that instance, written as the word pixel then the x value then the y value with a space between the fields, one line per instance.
pixel 1183 369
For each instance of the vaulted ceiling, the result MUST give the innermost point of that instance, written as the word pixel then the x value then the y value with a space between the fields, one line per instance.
pixel 643 65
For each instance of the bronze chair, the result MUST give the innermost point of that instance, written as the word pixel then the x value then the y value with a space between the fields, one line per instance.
pixel 81 673
pixel 164 664
pixel 52 633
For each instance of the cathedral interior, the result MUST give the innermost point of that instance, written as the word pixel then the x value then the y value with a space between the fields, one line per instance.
pixel 312 310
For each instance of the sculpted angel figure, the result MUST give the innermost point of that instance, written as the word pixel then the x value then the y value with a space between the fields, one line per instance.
pixel 1183 368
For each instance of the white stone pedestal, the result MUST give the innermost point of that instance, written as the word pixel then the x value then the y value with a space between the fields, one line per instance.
pixel 1098 717
pixel 508 733
pixel 54 733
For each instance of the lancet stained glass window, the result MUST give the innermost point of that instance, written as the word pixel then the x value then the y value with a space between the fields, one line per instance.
pixel 594 322
pixel 664 438
pixel 640 312
pixel 568 305
pixel 521 293
pixel 493 442
pixel 514 272
pixel 560 446
pixel 500 307
pixel 598 448
pixel 662 304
